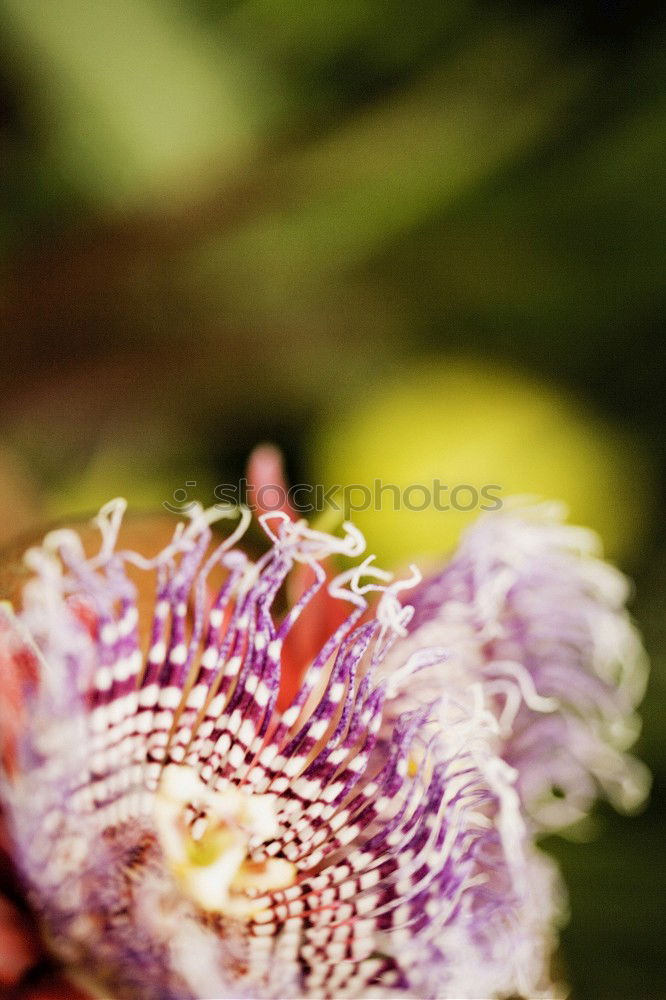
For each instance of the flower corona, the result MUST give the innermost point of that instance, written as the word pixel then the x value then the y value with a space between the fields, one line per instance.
pixel 183 835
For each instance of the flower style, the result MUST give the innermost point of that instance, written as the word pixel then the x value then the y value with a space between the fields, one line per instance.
pixel 182 835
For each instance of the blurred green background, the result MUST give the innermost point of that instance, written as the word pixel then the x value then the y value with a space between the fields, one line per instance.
pixel 401 241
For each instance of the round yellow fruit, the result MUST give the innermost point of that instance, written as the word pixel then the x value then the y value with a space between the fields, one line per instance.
pixel 464 437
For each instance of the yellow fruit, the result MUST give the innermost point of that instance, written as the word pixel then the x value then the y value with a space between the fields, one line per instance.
pixel 483 433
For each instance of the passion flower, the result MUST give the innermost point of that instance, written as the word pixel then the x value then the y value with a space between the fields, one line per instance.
pixel 181 833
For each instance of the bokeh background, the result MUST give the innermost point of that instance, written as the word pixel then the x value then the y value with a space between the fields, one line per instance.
pixel 401 240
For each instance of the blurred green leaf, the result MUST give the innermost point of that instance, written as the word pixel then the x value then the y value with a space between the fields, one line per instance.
pixel 372 181
pixel 133 98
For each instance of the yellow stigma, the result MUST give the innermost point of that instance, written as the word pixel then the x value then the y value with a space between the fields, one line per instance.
pixel 209 857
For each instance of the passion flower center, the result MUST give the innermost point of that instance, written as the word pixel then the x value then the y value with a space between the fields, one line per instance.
pixel 206 835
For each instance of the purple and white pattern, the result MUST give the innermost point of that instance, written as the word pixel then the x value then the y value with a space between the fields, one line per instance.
pixel 182 838
pixel 527 608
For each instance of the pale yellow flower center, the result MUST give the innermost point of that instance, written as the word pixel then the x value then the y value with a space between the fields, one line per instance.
pixel 209 854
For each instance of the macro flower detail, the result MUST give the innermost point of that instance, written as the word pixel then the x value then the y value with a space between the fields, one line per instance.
pixel 527 607
pixel 182 834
